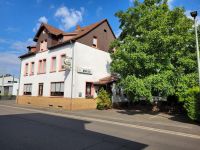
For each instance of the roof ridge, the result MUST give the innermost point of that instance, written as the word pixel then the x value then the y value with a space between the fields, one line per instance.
pixel 46 24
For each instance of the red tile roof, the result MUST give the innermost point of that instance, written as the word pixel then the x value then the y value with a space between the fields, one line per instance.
pixel 80 32
pixel 50 29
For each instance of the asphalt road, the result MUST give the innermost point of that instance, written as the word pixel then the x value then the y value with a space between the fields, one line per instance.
pixel 27 129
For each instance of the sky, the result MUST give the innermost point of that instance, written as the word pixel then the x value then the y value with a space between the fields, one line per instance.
pixel 20 20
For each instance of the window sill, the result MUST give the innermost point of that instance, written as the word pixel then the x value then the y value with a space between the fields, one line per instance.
pixel 41 73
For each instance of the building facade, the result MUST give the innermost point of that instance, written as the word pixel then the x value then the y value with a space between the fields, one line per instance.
pixel 62 69
pixel 8 85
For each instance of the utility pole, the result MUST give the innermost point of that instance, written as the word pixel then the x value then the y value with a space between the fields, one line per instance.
pixel 194 15
pixel 3 85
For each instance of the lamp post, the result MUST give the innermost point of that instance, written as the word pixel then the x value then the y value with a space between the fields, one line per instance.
pixel 194 15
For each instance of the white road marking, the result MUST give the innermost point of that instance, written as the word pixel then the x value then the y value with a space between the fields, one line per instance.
pixel 109 122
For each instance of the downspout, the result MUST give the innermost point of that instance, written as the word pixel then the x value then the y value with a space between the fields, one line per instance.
pixel 72 77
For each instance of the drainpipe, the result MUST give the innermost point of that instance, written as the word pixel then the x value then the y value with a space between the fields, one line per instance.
pixel 72 77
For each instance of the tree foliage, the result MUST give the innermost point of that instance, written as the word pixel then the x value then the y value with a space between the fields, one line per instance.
pixel 155 53
pixel 103 100
pixel 192 103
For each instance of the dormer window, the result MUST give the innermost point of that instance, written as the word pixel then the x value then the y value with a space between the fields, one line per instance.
pixel 43 45
pixel 60 40
pixel 94 43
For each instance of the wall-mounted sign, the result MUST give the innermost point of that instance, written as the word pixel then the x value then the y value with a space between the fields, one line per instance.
pixel 84 70
pixel 67 63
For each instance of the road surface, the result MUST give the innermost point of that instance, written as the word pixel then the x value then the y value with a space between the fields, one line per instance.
pixel 32 129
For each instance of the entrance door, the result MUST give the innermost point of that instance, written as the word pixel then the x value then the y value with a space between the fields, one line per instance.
pixel 40 92
pixel 88 90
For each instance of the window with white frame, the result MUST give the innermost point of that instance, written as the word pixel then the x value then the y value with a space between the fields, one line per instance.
pixel 57 88
pixel 53 64
pixel 26 69
pixel 94 42
pixel 43 45
pixel 32 68
pixel 44 66
pixel 40 67
pixel 27 89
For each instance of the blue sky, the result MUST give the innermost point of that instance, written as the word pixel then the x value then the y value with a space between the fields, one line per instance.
pixel 20 20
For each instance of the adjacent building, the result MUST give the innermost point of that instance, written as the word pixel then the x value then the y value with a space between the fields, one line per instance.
pixel 66 69
pixel 8 85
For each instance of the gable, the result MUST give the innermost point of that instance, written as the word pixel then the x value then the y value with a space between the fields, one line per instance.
pixel 104 35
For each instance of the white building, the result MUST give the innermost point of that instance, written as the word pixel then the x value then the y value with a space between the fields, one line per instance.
pixel 66 65
pixel 8 85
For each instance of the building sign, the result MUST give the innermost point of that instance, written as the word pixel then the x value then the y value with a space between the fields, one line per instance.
pixel 84 70
pixel 67 63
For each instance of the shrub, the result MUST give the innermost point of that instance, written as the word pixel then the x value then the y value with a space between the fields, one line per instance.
pixel 103 100
pixel 192 103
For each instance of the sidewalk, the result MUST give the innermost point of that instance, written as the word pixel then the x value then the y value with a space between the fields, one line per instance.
pixel 158 121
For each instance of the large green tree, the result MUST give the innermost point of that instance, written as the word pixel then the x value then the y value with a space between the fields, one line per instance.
pixel 155 53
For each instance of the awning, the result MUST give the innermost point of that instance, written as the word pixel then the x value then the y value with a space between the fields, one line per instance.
pixel 106 80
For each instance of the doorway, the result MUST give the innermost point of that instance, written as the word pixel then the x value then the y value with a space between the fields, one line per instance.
pixel 40 91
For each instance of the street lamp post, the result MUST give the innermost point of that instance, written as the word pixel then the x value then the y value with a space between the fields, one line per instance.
pixel 194 15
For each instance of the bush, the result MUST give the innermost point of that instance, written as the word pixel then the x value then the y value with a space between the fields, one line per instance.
pixel 192 103
pixel 103 100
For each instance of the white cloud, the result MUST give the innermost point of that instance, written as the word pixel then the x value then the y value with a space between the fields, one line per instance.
pixel 69 17
pixel 21 46
pixel 118 32
pixel 9 58
pixel 42 19
pixel 170 3
pixel 9 63
pixel 98 11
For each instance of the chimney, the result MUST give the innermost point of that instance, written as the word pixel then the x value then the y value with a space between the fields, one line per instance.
pixel 78 27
